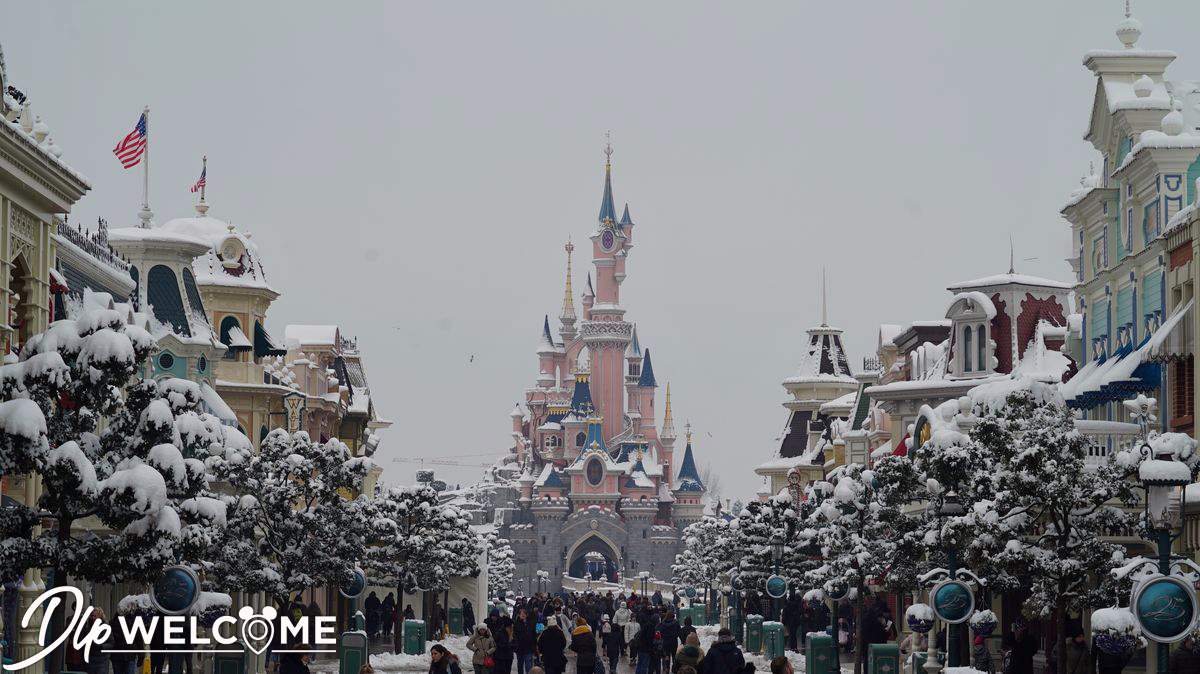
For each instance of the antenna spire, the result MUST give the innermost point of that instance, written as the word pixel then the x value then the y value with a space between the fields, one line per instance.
pixel 824 311
pixel 568 310
pixel 1011 266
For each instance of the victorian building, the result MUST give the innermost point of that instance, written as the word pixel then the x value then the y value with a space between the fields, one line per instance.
pixel 593 469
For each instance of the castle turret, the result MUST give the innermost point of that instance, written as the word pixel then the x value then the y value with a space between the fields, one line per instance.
pixel 589 298
pixel 546 352
pixel 645 393
pixel 633 371
pixel 689 489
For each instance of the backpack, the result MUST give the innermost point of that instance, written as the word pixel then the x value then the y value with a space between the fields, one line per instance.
pixel 599 665
pixel 658 643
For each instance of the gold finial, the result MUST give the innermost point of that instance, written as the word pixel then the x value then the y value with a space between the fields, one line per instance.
pixel 568 310
pixel 608 148
pixel 668 427
pixel 687 429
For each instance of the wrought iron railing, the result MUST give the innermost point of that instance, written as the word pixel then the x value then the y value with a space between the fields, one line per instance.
pixel 94 244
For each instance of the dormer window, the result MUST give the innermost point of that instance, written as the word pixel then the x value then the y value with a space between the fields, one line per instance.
pixel 971 314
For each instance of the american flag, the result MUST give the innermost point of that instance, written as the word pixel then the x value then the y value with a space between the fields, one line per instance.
pixel 130 150
pixel 200 183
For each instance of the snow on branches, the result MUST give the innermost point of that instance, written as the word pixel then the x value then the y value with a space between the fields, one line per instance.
pixel 707 552
pixel 501 565
pixel 417 542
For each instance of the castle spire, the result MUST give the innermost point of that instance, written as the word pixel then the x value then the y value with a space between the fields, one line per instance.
pixel 647 378
pixel 824 312
pixel 567 318
pixel 625 219
pixel 608 212
pixel 668 427
pixel 689 476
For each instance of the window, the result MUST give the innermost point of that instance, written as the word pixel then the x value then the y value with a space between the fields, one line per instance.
pixel 981 349
pixel 1183 376
pixel 579 439
pixel 202 365
pixel 968 334
pixel 228 323
pixel 193 295
pixel 162 292
pixel 166 361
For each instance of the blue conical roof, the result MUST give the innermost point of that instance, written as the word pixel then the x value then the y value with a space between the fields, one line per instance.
pixel 581 398
pixel 553 480
pixel 647 379
pixel 608 212
pixel 689 477
pixel 595 438
pixel 625 219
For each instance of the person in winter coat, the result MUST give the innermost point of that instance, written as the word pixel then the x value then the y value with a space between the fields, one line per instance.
pixel 583 642
pixel 690 655
pixel 387 614
pixel 621 618
pixel 1023 646
pixel 409 613
pixel 98 661
pixel 724 657
pixel 502 632
pixel 437 621
pixel 374 610
pixel 468 615
pixel 613 637
pixel 630 635
pixel 671 631
pixel 551 645
pixel 687 629
pixel 915 642
pixel 482 647
pixel 1078 661
pixel 294 662
pixel 981 657
pixel 524 640
pixel 442 661
pixel 1186 659
pixel 123 663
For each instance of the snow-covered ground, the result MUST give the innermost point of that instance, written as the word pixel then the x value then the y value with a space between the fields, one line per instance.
pixel 388 662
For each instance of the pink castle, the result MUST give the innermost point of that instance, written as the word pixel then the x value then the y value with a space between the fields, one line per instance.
pixel 597 478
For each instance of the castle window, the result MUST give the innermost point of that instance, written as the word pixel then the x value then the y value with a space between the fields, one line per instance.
pixel 580 438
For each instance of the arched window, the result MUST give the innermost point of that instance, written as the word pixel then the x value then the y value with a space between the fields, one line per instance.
pixel 981 346
pixel 133 298
pixel 968 333
pixel 262 435
pixel 228 323
pixel 162 292
pixel 579 438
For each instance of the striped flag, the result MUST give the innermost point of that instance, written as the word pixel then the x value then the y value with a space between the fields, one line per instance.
pixel 200 183
pixel 130 150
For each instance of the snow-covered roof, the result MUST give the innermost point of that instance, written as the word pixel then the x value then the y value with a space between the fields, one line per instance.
pixel 296 335
pixel 841 403
pixel 232 259
pixel 218 406
pixel 1008 279
pixel 824 359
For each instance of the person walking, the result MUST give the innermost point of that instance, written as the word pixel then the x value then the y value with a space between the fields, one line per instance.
pixel 724 657
pixel 690 655
pixel 483 649
pixel 373 609
pixel 99 661
pixel 1022 646
pixel 583 643
pixel 524 640
pixel 502 632
pixel 612 637
pixel 981 657
pixel 387 614
pixel 671 630
pixel 1078 661
pixel 551 645
pixel 622 618
pixel 468 615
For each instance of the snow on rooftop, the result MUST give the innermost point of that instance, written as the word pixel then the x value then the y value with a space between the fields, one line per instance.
pixel 296 335
pixel 1008 279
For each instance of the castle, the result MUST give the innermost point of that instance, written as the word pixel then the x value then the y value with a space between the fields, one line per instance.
pixel 595 477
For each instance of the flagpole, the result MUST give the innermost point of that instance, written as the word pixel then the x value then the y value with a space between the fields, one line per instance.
pixel 204 174
pixel 146 214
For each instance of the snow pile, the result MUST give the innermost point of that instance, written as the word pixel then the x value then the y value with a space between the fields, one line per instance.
pixel 919 612
pixel 22 418
pixel 1115 621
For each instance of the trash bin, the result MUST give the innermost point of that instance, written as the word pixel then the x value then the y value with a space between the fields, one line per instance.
pixel 754 633
pixel 773 640
pixel 456 617
pixel 819 658
pixel 414 637
pixel 352 652
pixel 699 615
pixel 883 659
pixel 229 663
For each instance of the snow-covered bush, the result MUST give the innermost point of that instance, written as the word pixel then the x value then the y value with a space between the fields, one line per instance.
pixel 1114 630
pixel 919 617
pixel 983 622
pixel 501 565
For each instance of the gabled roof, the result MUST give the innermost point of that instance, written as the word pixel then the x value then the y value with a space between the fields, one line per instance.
pixel 689 477
pixel 647 378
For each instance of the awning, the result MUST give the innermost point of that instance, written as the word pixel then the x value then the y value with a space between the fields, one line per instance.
pixel 212 400
pixel 265 344
pixel 58 282
pixel 236 340
pixel 1124 374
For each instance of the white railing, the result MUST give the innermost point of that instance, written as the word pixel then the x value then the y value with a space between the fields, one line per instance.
pixel 1106 438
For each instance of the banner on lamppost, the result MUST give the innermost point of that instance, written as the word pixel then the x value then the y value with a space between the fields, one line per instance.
pixel 176 590
pixel 1165 608
pixel 776 586
pixel 953 601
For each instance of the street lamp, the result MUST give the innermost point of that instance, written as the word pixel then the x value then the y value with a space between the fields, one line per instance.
pixel 645 578
pixel 777 550
pixel 736 583
pixel 951 507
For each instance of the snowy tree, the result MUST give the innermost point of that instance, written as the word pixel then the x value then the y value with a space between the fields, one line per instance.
pixel 139 476
pixel 776 520
pixel 707 552
pixel 1038 513
pixel 418 543
pixel 295 520
pixel 860 525
pixel 501 563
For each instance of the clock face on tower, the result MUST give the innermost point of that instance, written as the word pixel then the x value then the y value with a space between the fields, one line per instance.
pixel 607 240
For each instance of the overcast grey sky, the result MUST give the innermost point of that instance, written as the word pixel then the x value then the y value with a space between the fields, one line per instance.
pixel 412 170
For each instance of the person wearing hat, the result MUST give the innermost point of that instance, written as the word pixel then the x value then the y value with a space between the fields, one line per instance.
pixel 551 644
pixel 689 655
pixel 724 657
pixel 1077 652
pixel 982 658
pixel 583 642
pixel 613 638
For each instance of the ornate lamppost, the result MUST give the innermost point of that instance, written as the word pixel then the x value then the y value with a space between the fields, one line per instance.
pixel 736 585
pixel 1163 601
pixel 776 585
pixel 952 590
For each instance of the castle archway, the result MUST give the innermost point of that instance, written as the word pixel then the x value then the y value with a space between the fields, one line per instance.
pixel 594 555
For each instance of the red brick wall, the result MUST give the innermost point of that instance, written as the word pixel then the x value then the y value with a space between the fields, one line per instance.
pixel 1181 255
pixel 1001 331
pixel 1032 311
